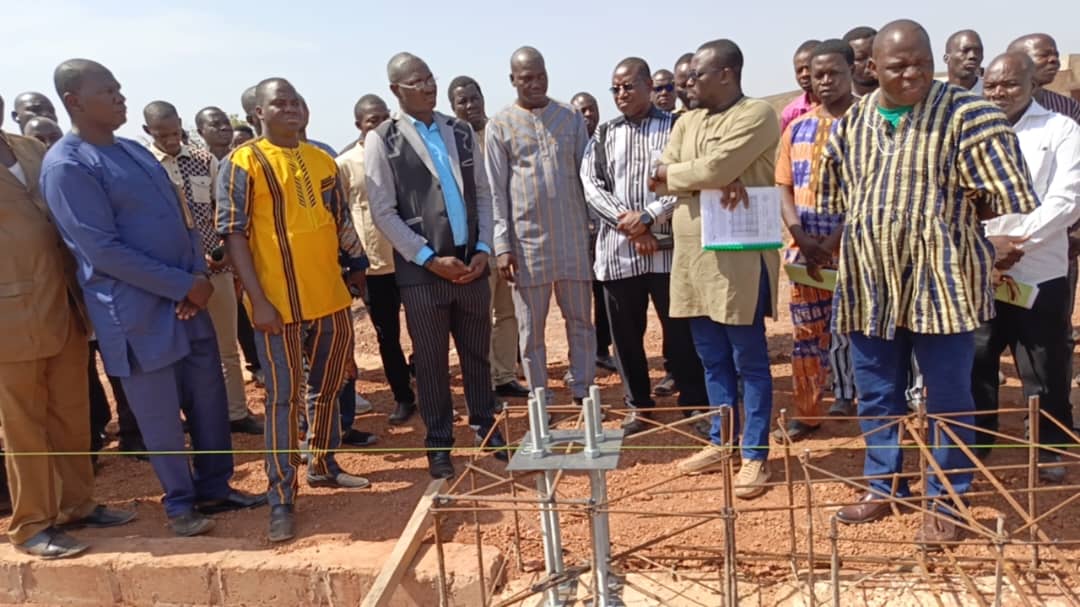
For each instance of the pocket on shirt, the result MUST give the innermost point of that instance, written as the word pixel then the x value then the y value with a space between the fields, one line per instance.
pixel 200 190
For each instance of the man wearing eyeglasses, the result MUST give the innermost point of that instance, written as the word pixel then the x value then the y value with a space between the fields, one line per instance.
pixel 429 196
pixel 729 139
pixel 534 150
pixel 632 263
pixel 663 90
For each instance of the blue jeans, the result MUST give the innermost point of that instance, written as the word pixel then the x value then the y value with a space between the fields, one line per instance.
pixel 881 376
pixel 731 352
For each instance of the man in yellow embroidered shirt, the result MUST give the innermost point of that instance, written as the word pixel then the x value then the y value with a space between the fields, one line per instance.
pixel 280 205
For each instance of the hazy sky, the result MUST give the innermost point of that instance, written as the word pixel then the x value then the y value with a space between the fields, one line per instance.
pixel 196 53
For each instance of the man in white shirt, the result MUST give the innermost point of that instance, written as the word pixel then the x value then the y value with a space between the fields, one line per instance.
pixel 1039 337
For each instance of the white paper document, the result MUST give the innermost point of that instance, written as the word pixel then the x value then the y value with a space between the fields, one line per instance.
pixel 757 227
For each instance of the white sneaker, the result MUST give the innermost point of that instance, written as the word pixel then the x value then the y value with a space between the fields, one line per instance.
pixel 709 458
pixel 751 479
pixel 363 405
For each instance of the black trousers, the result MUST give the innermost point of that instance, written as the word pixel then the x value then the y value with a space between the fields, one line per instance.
pixel 384 306
pixel 433 313
pixel 245 334
pixel 600 319
pixel 627 303
pixel 1040 342
pixel 99 408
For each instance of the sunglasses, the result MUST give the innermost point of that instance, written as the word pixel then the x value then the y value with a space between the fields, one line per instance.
pixel 696 74
pixel 618 88
pixel 428 83
pixel 664 88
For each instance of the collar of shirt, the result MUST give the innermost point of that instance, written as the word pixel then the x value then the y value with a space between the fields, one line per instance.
pixel 654 112
pixel 185 151
pixel 1031 115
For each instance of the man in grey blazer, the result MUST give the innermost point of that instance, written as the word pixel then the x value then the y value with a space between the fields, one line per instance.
pixel 429 196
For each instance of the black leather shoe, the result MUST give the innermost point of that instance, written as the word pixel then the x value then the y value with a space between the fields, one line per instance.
pixel 402 413
pixel 101 518
pixel 191 524
pixel 135 450
pixel 51 543
pixel 635 423
pixel 665 387
pixel 606 362
pixel 236 500
pixel 356 438
pixel 496 444
pixel 282 523
pixel 512 389
pixel 248 425
pixel 439 465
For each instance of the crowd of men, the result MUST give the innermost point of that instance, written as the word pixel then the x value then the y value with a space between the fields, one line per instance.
pixel 171 259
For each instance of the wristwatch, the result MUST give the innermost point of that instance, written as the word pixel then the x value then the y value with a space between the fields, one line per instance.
pixel 647 218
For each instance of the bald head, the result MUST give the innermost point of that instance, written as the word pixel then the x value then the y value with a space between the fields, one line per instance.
pixel 268 88
pixel 903 33
pixel 1009 83
pixel 208 114
pixel 43 129
pixel 526 56
pixel 956 40
pixel 904 64
pixel 159 110
pixel 91 96
pixel 1043 51
pixel 402 65
pixel 70 76
pixel 247 100
pixel 30 104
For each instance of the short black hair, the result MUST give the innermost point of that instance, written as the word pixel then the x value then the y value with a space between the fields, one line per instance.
pixel 461 82
pixel 365 102
pixel 684 58
pixel 159 110
pixel 807 46
pixel 200 116
pixel 859 33
pixel 834 47
pixel 243 128
pixel 727 52
pixel 639 65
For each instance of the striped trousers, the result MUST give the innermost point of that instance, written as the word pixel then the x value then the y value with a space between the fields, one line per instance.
pixel 434 312
pixel 326 345
pixel 574 298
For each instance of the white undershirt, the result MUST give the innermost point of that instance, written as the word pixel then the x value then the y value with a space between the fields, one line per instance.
pixel 17 171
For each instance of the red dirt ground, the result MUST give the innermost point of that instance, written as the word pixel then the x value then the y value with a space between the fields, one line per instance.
pixel 397 469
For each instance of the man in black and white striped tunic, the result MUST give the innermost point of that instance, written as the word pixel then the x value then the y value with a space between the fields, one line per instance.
pixel 633 245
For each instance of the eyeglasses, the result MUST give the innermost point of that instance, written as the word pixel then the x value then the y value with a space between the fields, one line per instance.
pixel 429 83
pixel 697 74
pixel 664 88
pixel 618 88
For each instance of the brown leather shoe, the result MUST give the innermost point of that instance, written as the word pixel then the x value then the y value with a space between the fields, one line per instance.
pixel 870 508
pixel 935 531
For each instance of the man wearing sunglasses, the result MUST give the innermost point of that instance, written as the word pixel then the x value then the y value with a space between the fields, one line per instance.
pixel 632 263
pixel 729 139
pixel 663 90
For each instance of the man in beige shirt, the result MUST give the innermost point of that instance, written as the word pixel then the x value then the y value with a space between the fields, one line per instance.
pixel 467 101
pixel 728 139
pixel 383 299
